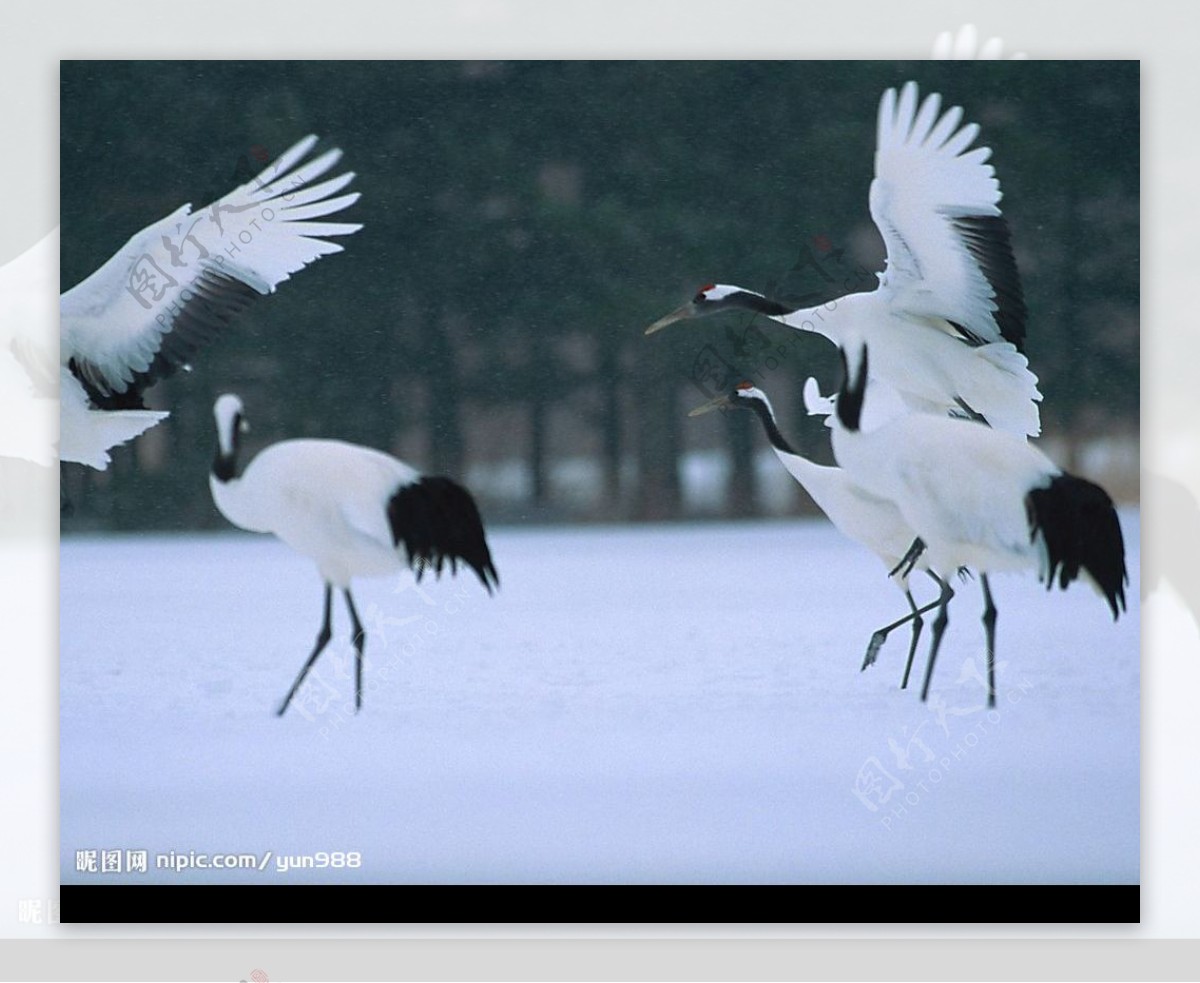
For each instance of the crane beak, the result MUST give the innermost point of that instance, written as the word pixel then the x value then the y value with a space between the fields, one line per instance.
pixel 681 314
pixel 718 403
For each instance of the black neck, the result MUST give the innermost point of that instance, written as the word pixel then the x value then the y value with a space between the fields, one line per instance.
pixel 760 305
pixel 778 441
pixel 850 398
pixel 225 465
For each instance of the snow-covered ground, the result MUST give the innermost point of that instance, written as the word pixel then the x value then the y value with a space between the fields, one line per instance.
pixel 637 704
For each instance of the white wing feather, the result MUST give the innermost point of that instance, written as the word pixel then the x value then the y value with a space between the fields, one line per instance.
pixel 931 199
pixel 28 383
pixel 116 321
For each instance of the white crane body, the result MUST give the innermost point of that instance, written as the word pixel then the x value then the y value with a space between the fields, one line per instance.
pixel 931 368
pixel 980 498
pixel 321 497
pixel 941 478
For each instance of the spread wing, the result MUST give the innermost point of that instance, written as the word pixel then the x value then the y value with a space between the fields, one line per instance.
pixel 935 202
pixel 177 283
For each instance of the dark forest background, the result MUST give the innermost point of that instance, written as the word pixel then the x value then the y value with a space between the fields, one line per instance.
pixel 524 222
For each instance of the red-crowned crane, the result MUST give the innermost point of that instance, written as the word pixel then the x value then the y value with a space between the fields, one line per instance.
pixel 980 498
pixel 354 511
pixel 858 514
pixel 946 324
pixel 176 284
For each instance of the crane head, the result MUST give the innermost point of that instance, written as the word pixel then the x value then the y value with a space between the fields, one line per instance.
pixel 740 396
pixel 710 299
pixel 231 420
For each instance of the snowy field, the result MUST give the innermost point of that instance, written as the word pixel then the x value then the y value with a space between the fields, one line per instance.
pixel 637 704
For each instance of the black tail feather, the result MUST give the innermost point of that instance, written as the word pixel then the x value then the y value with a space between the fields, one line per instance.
pixel 1079 526
pixel 437 521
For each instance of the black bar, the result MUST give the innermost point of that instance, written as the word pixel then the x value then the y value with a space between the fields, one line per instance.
pixel 612 904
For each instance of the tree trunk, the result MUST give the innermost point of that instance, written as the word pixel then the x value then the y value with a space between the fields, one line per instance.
pixel 539 409
pixel 741 496
pixel 658 494
pixel 610 423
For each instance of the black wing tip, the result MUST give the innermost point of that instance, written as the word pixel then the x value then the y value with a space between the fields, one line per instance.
pixel 1078 523
pixel 989 241
pixel 210 302
pixel 103 396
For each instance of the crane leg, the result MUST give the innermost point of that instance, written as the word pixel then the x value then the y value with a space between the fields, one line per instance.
pixel 989 627
pixel 880 636
pixel 918 624
pixel 322 640
pixel 912 648
pixel 904 567
pixel 360 641
pixel 939 628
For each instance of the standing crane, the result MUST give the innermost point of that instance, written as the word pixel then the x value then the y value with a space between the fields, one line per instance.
pixel 350 509
pixel 858 514
pixel 979 498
